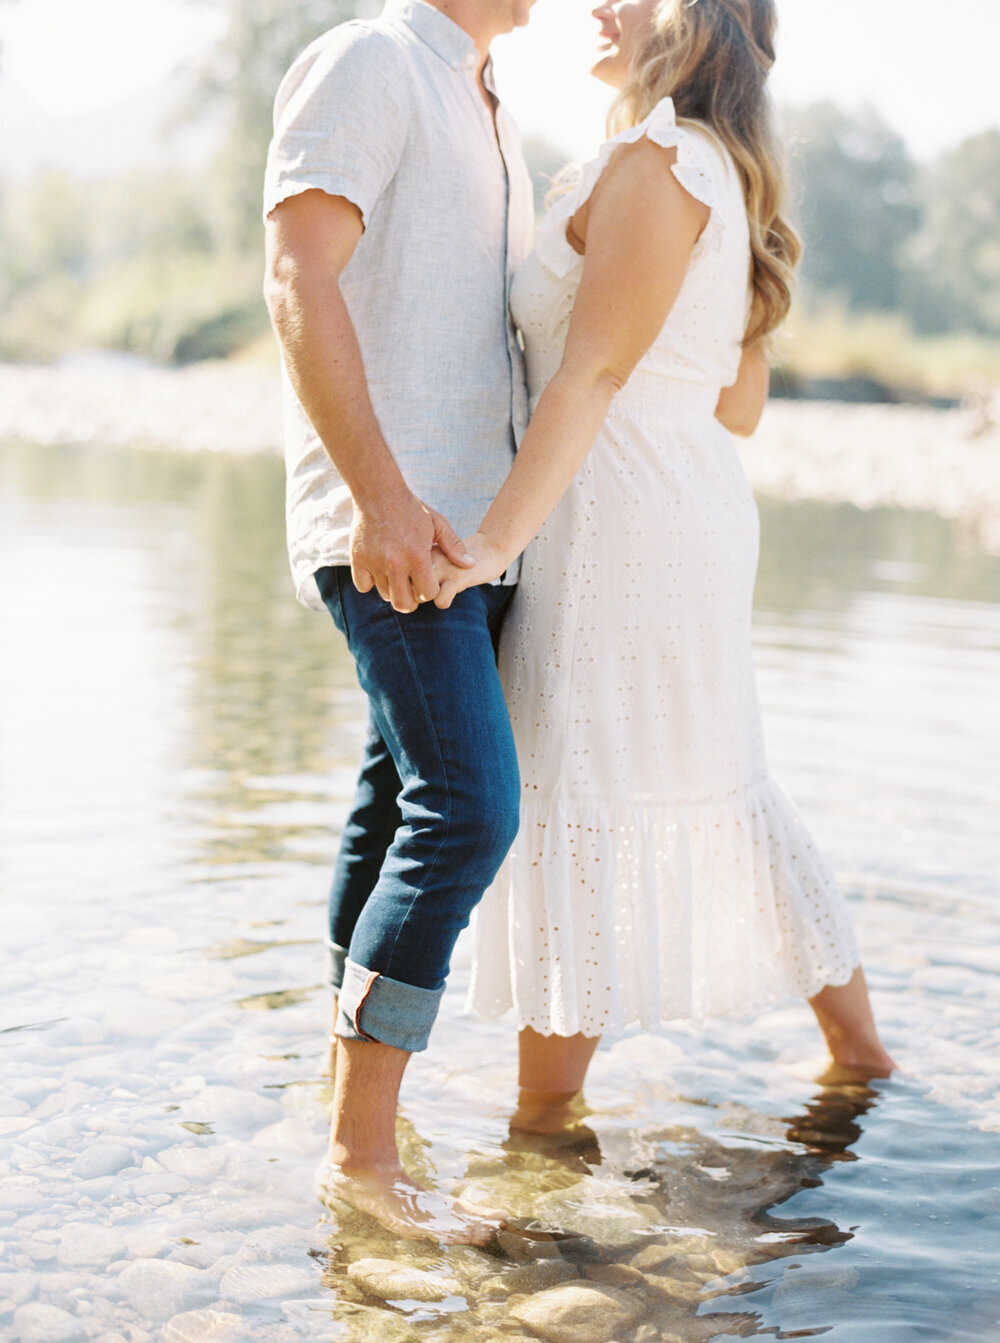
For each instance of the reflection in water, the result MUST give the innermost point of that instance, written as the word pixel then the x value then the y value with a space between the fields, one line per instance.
pixel 179 744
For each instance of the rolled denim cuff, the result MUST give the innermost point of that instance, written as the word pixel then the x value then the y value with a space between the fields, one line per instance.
pixel 374 1007
pixel 337 961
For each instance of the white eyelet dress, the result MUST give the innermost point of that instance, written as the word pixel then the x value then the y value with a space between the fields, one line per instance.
pixel 658 872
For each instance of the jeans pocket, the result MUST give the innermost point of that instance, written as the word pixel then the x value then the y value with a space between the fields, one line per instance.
pixel 328 580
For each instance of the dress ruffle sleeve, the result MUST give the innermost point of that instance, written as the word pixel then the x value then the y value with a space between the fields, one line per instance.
pixel 699 165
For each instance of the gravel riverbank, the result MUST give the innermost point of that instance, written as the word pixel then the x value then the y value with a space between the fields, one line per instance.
pixel 944 461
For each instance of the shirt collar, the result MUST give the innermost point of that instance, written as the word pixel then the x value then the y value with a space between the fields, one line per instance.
pixel 452 43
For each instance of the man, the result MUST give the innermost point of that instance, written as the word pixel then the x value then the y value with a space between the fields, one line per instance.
pixel 397 206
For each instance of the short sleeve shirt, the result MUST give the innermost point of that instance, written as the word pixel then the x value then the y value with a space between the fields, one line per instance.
pixel 388 114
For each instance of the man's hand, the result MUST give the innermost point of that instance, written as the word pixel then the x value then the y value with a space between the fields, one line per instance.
pixel 391 547
pixel 487 564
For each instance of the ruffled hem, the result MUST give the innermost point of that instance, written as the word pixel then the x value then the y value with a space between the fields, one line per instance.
pixel 607 915
pixel 696 168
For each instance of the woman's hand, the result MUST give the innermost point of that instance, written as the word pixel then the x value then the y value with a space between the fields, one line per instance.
pixel 489 564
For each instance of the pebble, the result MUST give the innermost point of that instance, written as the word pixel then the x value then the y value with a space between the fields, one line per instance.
pixel 193 1161
pixel 368 1325
pixel 391 1281
pixel 159 1183
pixel 578 1313
pixel 160 1288
pixel 685 1291
pixel 247 1283
pixel 18 1287
pixel 537 1276
pixel 234 1108
pixel 39 1323
pixel 602 1212
pixel 203 1326
pixel 84 1245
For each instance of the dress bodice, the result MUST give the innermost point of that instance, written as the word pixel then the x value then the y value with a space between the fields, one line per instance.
pixel 700 339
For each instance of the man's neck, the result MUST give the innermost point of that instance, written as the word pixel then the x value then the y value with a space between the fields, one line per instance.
pixel 474 18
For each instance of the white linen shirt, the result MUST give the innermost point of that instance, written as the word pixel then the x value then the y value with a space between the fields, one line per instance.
pixel 388 114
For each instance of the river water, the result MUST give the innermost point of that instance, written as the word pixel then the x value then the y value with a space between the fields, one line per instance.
pixel 178 747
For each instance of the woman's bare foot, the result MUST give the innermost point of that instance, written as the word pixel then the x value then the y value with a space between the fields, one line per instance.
pixel 839 1074
pixel 407 1209
pixel 548 1111
pixel 845 1017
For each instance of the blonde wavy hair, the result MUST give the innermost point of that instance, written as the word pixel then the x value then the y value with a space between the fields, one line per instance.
pixel 712 58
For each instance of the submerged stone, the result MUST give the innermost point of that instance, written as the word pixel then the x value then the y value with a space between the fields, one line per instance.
pixel 247 1283
pixel 203 1326
pixel 390 1281
pixel 84 1245
pixel 579 1313
pixel 102 1159
pixel 39 1323
pixel 161 1288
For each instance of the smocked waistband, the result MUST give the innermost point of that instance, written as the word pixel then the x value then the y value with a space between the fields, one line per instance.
pixel 658 394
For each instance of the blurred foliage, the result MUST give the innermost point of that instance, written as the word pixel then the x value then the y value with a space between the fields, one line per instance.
pixel 240 78
pixel 882 354
pixel 854 188
pixel 901 277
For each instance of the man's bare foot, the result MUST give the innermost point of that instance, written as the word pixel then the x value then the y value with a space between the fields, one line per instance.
pixel 409 1210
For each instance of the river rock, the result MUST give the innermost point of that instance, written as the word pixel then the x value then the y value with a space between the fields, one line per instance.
pixel 578 1313
pixel 601 1211
pixel 84 1245
pixel 655 1258
pixel 194 1162
pixel 614 1275
pixel 390 1281
pixel 159 1182
pixel 18 1287
pixel 365 1324
pixel 684 1290
pixel 203 1326
pixel 247 1283
pixel 537 1276
pixel 39 1323
pixel 232 1108
pixel 102 1158
pixel 162 1288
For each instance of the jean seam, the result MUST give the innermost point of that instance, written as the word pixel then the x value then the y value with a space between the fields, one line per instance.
pixel 428 868
pixel 340 602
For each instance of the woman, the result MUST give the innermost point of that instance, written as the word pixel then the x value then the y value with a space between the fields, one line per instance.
pixel 658 872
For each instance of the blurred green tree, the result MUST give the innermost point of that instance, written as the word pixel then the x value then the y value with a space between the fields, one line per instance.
pixel 955 258
pixel 239 79
pixel 855 191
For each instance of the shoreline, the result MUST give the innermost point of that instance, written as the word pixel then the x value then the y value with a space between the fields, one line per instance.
pixel 945 461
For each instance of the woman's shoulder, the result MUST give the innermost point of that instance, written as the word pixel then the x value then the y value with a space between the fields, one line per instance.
pixel 701 164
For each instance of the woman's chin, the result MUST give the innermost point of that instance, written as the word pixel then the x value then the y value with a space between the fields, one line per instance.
pixel 606 69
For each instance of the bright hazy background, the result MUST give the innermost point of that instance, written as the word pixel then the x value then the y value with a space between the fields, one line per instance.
pixel 132 135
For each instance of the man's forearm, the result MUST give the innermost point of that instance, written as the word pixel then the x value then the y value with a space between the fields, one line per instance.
pixel 324 363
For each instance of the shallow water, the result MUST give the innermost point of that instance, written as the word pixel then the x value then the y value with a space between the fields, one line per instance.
pixel 178 743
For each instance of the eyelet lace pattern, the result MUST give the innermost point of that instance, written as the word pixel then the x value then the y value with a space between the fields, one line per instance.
pixel 659 872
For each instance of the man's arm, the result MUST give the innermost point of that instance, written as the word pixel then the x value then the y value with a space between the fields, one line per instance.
pixel 310 239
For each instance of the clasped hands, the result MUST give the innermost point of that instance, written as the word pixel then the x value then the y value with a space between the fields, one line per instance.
pixel 412 555
pixel 488 564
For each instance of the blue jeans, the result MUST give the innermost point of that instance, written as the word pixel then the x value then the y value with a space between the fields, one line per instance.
pixel 436 807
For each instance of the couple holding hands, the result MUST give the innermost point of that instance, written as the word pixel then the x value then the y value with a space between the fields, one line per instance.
pixel 566 405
